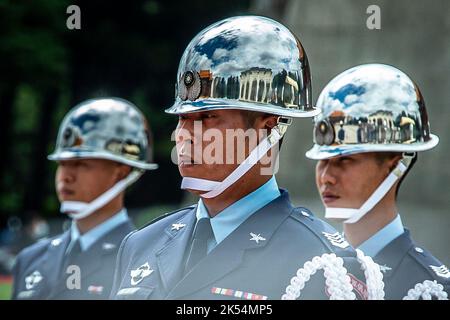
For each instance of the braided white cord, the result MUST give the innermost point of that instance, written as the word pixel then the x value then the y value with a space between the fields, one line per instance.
pixel 426 290
pixel 336 278
pixel 374 277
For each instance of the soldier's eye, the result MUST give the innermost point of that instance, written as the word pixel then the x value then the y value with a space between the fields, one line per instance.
pixel 208 116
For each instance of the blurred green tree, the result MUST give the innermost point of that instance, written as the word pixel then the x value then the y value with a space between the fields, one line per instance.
pixel 125 49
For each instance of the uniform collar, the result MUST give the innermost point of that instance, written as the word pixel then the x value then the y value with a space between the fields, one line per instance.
pixel 90 237
pixel 226 221
pixel 254 233
pixel 383 237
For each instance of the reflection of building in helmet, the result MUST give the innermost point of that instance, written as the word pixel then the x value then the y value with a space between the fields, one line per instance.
pixel 382 123
pixel 249 63
pixel 107 128
pixel 255 85
pixel 372 108
pixel 407 125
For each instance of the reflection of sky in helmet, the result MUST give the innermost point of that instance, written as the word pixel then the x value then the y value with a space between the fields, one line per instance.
pixel 365 89
pixel 100 118
pixel 86 121
pixel 221 43
pixel 237 44
pixel 348 90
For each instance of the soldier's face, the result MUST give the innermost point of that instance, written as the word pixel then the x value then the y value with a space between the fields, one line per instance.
pixel 348 181
pixel 211 144
pixel 85 179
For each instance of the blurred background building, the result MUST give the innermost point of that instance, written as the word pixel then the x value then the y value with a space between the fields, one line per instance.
pixel 132 49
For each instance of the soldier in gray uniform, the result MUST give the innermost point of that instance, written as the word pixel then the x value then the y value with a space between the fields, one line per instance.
pixel 243 239
pixel 359 180
pixel 103 146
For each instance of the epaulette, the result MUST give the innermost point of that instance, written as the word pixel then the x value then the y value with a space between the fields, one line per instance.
pixel 432 265
pixel 329 236
pixel 166 215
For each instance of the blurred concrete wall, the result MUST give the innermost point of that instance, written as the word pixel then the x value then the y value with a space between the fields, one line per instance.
pixel 415 37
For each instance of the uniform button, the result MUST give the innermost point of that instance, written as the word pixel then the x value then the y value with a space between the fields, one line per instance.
pixel 56 242
pixel 306 214
pixel 419 250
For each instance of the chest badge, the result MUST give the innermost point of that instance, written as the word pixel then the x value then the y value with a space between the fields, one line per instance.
pixel 33 279
pixel 140 273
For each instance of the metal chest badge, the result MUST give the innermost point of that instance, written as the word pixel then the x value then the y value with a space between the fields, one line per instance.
pixel 140 273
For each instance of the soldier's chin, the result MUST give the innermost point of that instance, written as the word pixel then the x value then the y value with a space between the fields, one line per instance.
pixel 196 192
pixel 336 220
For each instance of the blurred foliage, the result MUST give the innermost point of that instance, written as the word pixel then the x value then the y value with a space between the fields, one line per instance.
pixel 5 290
pixel 130 50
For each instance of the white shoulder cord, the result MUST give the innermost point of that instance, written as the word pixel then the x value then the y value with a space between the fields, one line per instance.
pixel 354 215
pixel 336 278
pixel 215 188
pixel 79 210
pixel 374 277
pixel 426 290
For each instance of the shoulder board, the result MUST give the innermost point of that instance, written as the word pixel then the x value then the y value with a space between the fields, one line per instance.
pixel 166 215
pixel 329 236
pixel 433 266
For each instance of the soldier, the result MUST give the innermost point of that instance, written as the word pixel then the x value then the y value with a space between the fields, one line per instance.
pixel 103 146
pixel 243 239
pixel 359 180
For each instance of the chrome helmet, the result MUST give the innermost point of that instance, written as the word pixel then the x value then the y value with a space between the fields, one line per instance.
pixel 247 62
pixel 371 108
pixel 105 128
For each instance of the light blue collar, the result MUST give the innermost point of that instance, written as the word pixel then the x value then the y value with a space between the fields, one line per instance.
pixel 226 221
pixel 372 246
pixel 90 237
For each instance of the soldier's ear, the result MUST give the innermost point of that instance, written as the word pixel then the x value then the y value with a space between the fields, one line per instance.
pixel 392 162
pixel 267 121
pixel 123 171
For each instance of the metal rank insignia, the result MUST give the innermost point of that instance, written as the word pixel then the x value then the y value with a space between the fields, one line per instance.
pixel 336 239
pixel 33 279
pixel 384 268
pixel 178 226
pixel 256 237
pixel 441 271
pixel 140 273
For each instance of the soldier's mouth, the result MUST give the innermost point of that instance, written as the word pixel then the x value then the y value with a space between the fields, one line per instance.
pixel 65 192
pixel 329 197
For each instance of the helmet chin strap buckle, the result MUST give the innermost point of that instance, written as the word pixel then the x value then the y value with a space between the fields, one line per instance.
pixel 283 124
pixel 279 130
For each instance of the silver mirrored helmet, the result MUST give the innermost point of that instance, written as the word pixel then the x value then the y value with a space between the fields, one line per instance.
pixel 371 108
pixel 247 62
pixel 106 128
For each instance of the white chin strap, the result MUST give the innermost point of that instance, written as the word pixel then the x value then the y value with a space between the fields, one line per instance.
pixel 354 215
pixel 79 210
pixel 215 188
